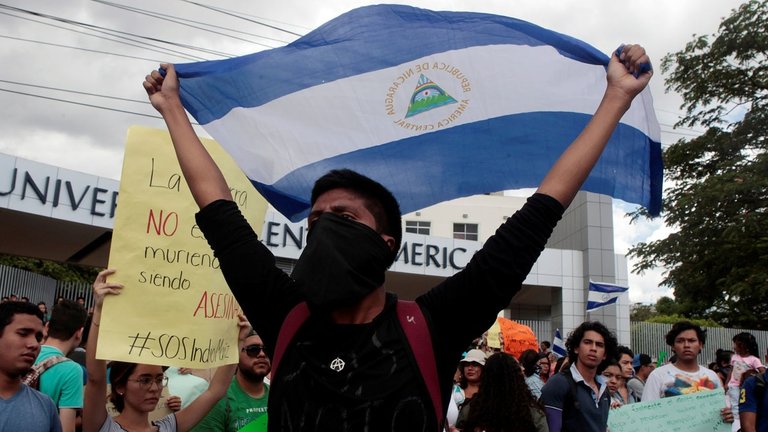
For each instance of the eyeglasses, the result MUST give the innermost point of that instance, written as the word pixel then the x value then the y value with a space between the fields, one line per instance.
pixel 145 382
pixel 253 350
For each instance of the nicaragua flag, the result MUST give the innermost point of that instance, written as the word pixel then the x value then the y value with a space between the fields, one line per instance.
pixel 558 347
pixel 433 105
pixel 603 294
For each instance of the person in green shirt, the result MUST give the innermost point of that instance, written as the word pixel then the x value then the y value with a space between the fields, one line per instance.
pixel 245 406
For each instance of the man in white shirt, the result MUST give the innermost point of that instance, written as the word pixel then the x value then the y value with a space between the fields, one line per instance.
pixel 685 375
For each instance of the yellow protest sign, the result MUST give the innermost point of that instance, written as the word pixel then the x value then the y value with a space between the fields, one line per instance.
pixel 176 309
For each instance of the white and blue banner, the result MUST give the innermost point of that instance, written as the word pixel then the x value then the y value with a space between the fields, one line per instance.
pixel 434 105
pixel 603 294
pixel 558 347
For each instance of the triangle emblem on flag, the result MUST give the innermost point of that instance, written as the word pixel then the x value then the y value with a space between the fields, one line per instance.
pixel 427 96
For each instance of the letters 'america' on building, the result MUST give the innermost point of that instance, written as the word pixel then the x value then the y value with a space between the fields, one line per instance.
pixel 434 105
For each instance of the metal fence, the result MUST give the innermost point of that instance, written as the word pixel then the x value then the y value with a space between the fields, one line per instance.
pixel 73 290
pixel 22 283
pixel 39 288
pixel 648 338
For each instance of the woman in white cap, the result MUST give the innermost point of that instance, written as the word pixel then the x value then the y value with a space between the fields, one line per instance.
pixel 471 369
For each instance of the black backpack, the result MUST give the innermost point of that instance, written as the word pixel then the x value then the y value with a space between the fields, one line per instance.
pixel 759 391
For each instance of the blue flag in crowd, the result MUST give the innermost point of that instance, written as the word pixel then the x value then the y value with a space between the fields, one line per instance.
pixel 558 347
pixel 434 105
pixel 603 294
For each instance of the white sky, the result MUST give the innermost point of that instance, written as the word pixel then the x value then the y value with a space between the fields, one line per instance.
pixel 91 140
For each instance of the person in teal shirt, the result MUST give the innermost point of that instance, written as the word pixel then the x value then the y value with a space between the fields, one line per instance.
pixel 245 406
pixel 63 381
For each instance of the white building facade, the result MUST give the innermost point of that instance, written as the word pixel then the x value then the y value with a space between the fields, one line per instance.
pixel 439 241
pixel 53 213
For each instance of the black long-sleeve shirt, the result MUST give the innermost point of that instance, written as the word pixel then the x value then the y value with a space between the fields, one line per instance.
pixel 379 389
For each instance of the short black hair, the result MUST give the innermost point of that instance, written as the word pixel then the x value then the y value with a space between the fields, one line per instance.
pixel 529 359
pixel 608 362
pixel 574 339
pixel 621 350
pixel 546 344
pixel 10 309
pixel 644 360
pixel 67 318
pixel 682 326
pixel 723 357
pixel 379 200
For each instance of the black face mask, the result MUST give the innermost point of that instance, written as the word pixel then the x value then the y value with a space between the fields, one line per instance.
pixel 343 262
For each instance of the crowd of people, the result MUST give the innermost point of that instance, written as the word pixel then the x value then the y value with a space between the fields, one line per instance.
pixel 493 390
pixel 348 355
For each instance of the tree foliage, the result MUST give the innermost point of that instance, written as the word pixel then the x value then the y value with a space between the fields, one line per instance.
pixel 54 270
pixel 717 193
pixel 667 306
pixel 672 319
pixel 641 313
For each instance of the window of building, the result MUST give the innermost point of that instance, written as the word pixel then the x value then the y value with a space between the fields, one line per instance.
pixel 417 227
pixel 465 231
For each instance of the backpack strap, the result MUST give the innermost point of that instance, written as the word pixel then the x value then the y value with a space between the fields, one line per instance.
pixel 293 321
pixel 416 330
pixel 32 379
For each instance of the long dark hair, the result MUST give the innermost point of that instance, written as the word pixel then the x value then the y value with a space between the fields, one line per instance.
pixel 529 360
pixel 504 401
pixel 748 343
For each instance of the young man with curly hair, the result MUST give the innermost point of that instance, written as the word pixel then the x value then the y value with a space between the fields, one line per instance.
pixel 577 398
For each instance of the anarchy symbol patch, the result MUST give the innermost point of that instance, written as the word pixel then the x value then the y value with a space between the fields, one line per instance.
pixel 337 364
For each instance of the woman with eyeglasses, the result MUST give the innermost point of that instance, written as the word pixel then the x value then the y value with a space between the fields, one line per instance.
pixel 136 388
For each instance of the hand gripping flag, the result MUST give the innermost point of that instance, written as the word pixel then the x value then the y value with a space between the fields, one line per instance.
pixel 603 294
pixel 433 105
pixel 558 347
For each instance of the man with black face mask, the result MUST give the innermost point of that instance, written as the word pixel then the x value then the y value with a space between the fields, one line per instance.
pixel 349 366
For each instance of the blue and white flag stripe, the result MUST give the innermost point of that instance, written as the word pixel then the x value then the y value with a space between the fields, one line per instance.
pixel 603 294
pixel 558 347
pixel 340 97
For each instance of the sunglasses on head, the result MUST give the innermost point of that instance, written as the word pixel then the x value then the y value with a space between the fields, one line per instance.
pixel 254 350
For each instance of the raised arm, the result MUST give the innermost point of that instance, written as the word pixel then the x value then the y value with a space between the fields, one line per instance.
pixel 566 176
pixel 190 416
pixel 95 404
pixel 203 176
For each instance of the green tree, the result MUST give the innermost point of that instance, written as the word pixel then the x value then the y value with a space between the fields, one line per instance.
pixel 717 193
pixel 671 319
pixel 54 270
pixel 641 312
pixel 667 306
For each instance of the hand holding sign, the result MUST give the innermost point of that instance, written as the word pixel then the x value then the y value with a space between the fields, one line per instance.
pixel 176 308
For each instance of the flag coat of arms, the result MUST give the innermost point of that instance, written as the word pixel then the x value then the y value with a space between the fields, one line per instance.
pixel 433 105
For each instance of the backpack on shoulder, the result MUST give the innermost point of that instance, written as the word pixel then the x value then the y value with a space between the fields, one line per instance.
pixel 760 390
pixel 415 328
pixel 32 378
